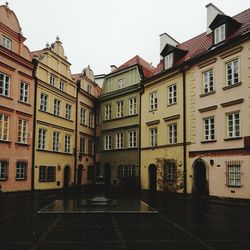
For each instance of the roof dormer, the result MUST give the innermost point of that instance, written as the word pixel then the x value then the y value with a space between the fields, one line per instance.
pixel 223 26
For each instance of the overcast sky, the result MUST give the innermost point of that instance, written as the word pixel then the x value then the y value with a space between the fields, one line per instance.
pixel 104 32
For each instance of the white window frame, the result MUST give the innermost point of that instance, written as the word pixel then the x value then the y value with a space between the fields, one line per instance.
pixel 153 102
pixel 62 85
pixel 43 102
pixel 22 131
pixel 233 125
pixel 24 92
pixel 3 170
pixel 82 145
pixel 107 142
pixel 68 111
pixel 91 120
pixel 4 84
pixel 82 116
pixel 233 72
pixel 172 94
pixel 21 170
pixel 132 139
pixel 89 88
pixel 172 133
pixel 220 34
pixel 56 141
pixel 67 144
pixel 234 174
pixel 52 80
pixel 119 140
pixel 168 61
pixel 153 137
pixel 209 128
pixel 120 83
pixel 57 105
pixel 208 81
pixel 132 106
pixel 4 127
pixel 127 171
pixel 107 112
pixel 6 42
pixel 42 135
pixel 119 109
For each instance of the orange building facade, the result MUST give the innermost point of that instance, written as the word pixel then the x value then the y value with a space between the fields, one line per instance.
pixel 16 105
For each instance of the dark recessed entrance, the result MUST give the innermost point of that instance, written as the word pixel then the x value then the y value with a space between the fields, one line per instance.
pixel 107 173
pixel 66 177
pixel 200 178
pixel 79 175
pixel 152 177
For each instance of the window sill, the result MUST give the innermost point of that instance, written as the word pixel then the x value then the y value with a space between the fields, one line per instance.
pixel 61 117
pixel 22 144
pixel 5 179
pixel 7 97
pixel 6 142
pixel 232 86
pixel 172 104
pixel 19 179
pixel 152 110
pixel 24 103
pixel 119 118
pixel 210 141
pixel 234 186
pixel 233 139
pixel 207 94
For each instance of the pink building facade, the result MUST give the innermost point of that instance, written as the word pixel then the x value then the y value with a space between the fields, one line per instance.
pixel 16 105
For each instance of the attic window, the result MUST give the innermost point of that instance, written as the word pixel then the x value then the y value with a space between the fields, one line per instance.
pixel 168 61
pixel 6 42
pixel 220 34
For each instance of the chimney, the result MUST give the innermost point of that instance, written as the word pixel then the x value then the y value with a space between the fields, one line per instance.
pixel 113 67
pixel 167 39
pixel 212 12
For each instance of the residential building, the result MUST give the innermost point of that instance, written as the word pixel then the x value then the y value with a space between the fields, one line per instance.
pixel 120 122
pixel 87 105
pixel 16 105
pixel 55 119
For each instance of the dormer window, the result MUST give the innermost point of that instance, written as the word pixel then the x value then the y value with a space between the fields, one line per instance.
pixel 220 34
pixel 6 42
pixel 168 61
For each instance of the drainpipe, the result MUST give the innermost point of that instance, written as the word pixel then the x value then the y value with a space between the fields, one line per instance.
pixel 183 71
pixel 35 63
pixel 76 129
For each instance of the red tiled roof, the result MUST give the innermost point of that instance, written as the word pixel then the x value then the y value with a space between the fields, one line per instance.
pixel 200 44
pixel 147 67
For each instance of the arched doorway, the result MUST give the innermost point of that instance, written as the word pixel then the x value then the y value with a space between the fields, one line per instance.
pixel 107 173
pixel 152 177
pixel 200 178
pixel 79 175
pixel 66 177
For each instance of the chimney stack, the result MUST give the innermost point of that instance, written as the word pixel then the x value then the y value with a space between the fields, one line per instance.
pixel 212 12
pixel 113 67
pixel 167 39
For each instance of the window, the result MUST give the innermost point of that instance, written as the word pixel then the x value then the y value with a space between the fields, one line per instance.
pixel 51 174
pixel 82 116
pixel 4 127
pixel 132 106
pixel 62 85
pixel 43 102
pixel 52 80
pixel 170 170
pixel 22 131
pixel 42 173
pixel 56 136
pixel 82 145
pixel 107 142
pixel 172 133
pixel 120 83
pixel 91 120
pixel 153 137
pixel 119 140
pixel 3 170
pixel 6 42
pixel 120 109
pixel 107 112
pixel 208 81
pixel 169 61
pixel 172 94
pixel 126 171
pixel 57 107
pixel 42 138
pixel 233 125
pixel 21 168
pixel 89 88
pixel 4 85
pixel 209 130
pixel 232 72
pixel 132 139
pixel 233 173
pixel 90 146
pixel 68 111
pixel 219 34
pixel 24 92
pixel 67 143
pixel 153 101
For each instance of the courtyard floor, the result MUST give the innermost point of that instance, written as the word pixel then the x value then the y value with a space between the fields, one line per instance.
pixel 182 222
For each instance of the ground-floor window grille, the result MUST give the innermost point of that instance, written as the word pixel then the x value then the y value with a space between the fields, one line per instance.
pixel 170 170
pixel 126 171
pixel 233 173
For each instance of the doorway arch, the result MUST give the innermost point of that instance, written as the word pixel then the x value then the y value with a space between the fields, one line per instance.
pixel 152 177
pixel 79 175
pixel 66 177
pixel 200 183
pixel 107 173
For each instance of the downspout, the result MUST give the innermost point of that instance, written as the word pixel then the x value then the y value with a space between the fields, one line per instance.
pixel 76 129
pixel 183 71
pixel 35 63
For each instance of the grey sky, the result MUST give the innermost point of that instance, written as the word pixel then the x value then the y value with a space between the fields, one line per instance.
pixel 104 32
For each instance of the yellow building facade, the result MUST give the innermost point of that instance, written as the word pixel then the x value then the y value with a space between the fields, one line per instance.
pixel 55 119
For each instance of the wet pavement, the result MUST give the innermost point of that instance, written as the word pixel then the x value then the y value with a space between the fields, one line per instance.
pixel 181 223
